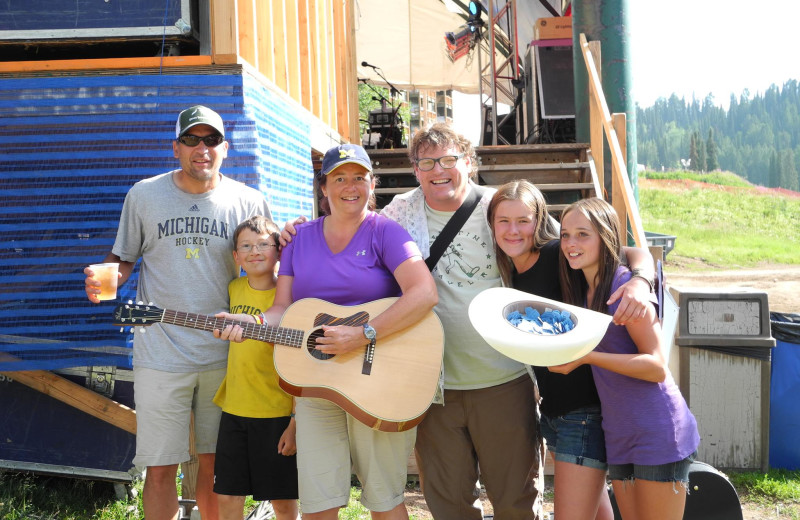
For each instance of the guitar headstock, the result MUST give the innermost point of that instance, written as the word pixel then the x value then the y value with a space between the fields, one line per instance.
pixel 137 314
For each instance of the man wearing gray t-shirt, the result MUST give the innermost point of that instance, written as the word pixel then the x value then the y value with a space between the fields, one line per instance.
pixel 180 224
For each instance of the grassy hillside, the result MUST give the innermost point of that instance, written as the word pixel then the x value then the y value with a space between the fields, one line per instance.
pixel 720 219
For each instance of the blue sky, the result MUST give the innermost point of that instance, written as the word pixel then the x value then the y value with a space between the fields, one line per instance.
pixel 712 46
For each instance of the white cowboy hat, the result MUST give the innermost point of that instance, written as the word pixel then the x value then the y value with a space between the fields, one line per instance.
pixel 488 313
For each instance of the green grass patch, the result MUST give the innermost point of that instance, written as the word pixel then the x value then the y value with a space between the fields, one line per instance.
pixel 777 490
pixel 737 227
pixel 26 496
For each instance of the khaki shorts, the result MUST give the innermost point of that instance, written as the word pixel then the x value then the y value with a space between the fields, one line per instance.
pixel 164 402
pixel 327 440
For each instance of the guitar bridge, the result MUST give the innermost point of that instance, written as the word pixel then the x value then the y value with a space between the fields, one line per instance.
pixel 369 356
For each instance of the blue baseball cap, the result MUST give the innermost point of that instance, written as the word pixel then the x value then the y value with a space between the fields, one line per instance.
pixel 344 154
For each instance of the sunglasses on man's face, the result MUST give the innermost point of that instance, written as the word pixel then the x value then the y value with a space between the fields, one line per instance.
pixel 193 140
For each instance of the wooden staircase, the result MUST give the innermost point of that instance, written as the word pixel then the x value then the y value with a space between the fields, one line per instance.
pixel 563 172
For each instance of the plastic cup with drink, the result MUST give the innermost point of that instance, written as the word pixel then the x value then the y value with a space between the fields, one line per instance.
pixel 106 274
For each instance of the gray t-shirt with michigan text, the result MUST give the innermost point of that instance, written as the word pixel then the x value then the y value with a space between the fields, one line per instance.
pixel 185 242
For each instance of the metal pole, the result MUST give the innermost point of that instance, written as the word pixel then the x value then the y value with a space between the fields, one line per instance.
pixel 494 72
pixel 606 21
pixel 478 51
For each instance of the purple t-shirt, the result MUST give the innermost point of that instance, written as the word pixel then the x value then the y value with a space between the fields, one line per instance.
pixel 362 272
pixel 644 423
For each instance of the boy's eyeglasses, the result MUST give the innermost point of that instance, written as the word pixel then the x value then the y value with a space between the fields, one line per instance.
pixel 446 162
pixel 262 246
pixel 193 140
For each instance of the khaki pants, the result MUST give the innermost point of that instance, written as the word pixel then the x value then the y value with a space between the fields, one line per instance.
pixel 491 428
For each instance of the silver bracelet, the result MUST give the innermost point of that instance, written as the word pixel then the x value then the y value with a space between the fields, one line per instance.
pixel 637 273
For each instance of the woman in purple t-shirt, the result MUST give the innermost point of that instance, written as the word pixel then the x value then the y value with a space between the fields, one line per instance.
pixel 651 436
pixel 351 256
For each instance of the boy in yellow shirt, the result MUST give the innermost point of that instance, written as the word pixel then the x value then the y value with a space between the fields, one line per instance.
pixel 256 413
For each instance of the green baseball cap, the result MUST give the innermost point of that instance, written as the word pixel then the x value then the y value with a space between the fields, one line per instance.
pixel 198 115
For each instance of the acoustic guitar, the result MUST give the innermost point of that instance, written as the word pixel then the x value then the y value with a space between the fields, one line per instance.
pixel 388 387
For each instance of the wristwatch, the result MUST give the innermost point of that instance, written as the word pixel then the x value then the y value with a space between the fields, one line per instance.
pixel 369 332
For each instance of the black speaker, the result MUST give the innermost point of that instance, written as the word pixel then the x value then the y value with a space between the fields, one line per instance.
pixel 506 127
pixel 556 80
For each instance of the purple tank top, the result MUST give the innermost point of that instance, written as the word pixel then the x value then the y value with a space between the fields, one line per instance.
pixel 644 423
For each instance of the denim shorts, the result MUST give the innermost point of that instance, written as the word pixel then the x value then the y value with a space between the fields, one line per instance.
pixel 577 437
pixel 671 472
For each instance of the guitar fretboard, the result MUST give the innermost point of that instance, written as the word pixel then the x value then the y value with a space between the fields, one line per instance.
pixel 279 335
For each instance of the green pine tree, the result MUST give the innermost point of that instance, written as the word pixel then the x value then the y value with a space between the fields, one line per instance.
pixel 701 154
pixel 711 152
pixel 694 159
pixel 775 167
pixel 788 178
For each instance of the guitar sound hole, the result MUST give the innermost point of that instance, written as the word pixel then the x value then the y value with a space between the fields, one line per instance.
pixel 312 341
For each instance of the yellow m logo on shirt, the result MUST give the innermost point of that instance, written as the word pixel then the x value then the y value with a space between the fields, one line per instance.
pixel 192 253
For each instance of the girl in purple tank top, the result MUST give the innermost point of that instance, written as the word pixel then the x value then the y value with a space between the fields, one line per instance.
pixel 651 436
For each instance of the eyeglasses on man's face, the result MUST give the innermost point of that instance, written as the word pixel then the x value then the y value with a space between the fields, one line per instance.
pixel 261 246
pixel 426 164
pixel 193 140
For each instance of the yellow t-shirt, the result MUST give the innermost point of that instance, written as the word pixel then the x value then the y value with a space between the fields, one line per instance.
pixel 250 387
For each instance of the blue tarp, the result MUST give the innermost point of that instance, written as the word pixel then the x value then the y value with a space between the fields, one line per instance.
pixel 70 148
pixel 784 409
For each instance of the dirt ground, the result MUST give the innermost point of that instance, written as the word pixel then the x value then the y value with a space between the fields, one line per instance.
pixel 780 282
pixel 419 510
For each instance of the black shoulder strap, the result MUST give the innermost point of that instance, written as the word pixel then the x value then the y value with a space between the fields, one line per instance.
pixel 453 225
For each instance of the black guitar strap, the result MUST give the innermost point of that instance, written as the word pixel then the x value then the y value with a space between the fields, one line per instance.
pixel 453 225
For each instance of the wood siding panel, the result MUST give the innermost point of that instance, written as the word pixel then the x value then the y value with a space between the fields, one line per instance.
pixel 329 61
pixel 340 98
pixel 266 59
pixel 293 49
pixel 279 44
pixel 304 62
pixel 247 30
pixel 314 59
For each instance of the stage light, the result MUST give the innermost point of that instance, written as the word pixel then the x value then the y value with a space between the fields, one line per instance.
pixel 459 42
pixel 474 21
pixel 459 37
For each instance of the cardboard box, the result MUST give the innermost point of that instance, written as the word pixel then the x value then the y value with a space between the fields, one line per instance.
pixel 553 28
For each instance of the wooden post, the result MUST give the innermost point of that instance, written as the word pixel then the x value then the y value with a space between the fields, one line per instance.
pixel 190 468
pixel 224 32
pixel 617 192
